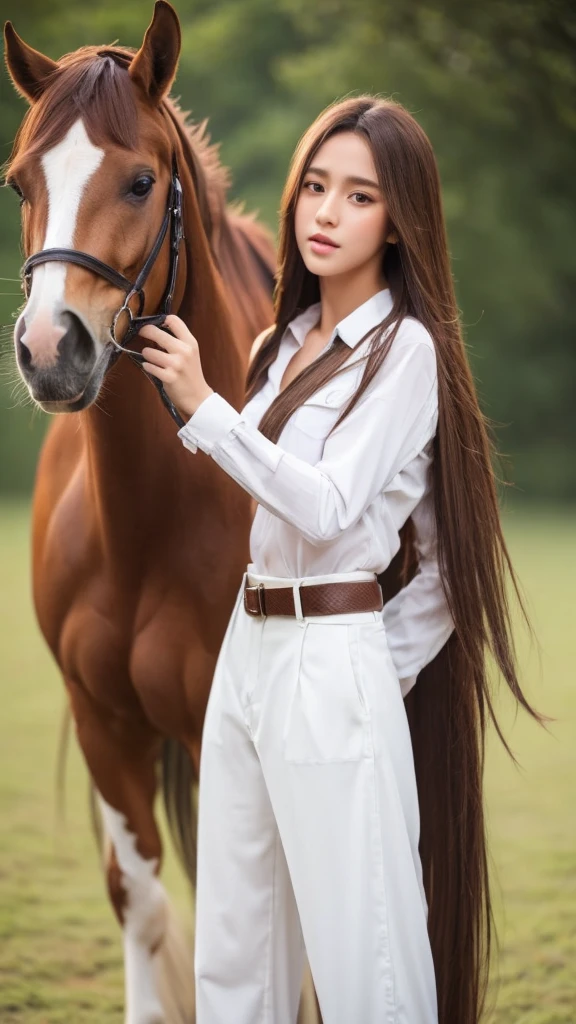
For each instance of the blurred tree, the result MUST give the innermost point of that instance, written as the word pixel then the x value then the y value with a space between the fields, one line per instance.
pixel 494 87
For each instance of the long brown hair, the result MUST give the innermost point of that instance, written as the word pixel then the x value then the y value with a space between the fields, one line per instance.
pixel 447 709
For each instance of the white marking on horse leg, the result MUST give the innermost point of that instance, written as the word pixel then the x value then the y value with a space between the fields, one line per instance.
pixel 67 169
pixel 144 920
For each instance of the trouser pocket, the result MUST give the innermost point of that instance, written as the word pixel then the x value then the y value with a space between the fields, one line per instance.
pixel 328 716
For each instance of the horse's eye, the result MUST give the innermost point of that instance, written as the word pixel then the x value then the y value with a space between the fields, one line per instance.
pixel 143 185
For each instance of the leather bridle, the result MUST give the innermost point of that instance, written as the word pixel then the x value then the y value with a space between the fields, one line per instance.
pixel 173 219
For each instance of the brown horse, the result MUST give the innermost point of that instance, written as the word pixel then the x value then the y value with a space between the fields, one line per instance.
pixel 138 548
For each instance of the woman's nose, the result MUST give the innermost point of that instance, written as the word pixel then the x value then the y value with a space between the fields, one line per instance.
pixel 327 212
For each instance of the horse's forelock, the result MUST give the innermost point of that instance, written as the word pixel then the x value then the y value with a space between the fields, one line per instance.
pixel 93 84
pixel 107 104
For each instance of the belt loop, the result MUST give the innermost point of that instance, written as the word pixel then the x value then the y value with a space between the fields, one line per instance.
pixel 297 601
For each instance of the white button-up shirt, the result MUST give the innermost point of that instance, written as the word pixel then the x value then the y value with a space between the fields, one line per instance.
pixel 336 504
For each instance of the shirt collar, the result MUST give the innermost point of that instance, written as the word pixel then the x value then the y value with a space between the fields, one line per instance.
pixel 352 327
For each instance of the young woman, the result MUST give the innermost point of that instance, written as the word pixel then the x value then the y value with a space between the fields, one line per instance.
pixel 333 817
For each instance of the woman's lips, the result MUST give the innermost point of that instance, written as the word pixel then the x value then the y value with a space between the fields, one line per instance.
pixel 322 247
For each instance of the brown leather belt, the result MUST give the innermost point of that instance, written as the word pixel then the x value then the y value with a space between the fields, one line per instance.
pixel 316 598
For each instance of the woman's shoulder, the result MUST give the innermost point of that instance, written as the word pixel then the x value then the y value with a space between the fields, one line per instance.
pixel 259 341
pixel 413 332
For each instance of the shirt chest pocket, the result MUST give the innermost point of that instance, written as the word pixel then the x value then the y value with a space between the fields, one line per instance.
pixel 311 422
pixel 319 413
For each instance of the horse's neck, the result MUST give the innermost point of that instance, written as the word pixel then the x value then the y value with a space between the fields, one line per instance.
pixel 138 471
pixel 132 449
pixel 130 439
pixel 221 344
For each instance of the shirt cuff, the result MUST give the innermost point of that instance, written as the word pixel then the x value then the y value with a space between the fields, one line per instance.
pixel 209 425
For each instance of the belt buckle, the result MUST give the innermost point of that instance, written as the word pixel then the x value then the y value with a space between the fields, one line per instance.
pixel 258 589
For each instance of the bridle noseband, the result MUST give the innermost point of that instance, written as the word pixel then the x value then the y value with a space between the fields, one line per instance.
pixel 172 218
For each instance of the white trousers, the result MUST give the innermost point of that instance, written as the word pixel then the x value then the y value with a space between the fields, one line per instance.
pixel 308 826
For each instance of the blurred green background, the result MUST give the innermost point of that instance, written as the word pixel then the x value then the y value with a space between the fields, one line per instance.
pixel 494 86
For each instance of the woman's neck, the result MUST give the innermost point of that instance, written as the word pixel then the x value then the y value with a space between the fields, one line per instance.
pixel 341 295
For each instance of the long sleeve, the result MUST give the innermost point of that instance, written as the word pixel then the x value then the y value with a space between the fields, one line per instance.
pixel 391 422
pixel 417 619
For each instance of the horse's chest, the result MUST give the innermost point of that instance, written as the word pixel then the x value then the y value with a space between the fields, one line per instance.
pixel 95 651
pixel 126 636
pixel 132 663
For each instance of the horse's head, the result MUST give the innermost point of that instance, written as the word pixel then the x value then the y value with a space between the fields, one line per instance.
pixel 92 164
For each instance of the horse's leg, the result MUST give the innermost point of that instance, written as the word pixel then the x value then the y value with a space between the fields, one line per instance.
pixel 121 756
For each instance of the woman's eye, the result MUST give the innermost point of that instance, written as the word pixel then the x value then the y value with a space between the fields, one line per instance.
pixel 142 186
pixel 365 199
pixel 314 184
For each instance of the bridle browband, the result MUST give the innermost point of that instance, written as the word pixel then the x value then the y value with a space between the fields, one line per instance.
pixel 173 219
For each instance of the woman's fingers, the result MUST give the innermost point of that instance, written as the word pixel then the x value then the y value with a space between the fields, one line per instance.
pixel 170 344
pixel 158 356
pixel 176 362
pixel 164 373
pixel 181 341
pixel 178 328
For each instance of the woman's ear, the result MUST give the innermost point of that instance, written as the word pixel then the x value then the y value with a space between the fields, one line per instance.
pixel 153 69
pixel 392 238
pixel 30 70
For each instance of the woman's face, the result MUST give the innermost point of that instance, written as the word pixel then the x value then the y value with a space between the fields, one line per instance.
pixel 340 198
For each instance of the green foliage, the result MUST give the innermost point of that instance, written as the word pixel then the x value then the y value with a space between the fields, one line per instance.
pixel 494 87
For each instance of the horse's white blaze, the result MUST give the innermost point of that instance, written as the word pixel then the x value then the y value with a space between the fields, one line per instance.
pixel 67 168
pixel 144 919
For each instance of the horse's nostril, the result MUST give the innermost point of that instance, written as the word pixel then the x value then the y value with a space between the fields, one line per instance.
pixel 22 350
pixel 76 348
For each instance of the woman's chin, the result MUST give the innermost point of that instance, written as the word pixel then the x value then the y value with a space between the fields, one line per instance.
pixel 324 266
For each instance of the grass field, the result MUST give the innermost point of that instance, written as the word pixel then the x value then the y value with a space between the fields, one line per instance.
pixel 60 955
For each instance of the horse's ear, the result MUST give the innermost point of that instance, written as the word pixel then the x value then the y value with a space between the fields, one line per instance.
pixel 30 70
pixel 154 67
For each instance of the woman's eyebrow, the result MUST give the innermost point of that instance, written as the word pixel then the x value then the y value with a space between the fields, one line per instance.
pixel 351 180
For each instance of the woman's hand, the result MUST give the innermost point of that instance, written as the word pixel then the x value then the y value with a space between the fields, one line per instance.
pixel 176 364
